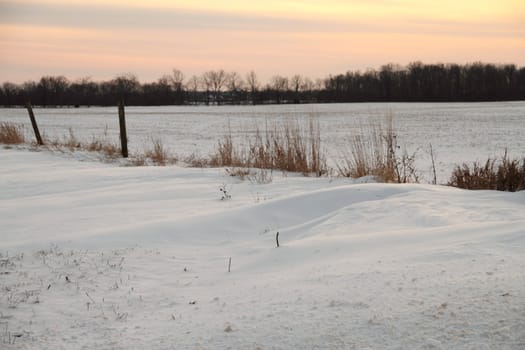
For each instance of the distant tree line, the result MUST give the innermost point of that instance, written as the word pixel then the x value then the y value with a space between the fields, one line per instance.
pixel 430 82
pixel 415 82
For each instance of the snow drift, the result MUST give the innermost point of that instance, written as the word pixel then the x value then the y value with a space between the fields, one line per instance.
pixel 99 256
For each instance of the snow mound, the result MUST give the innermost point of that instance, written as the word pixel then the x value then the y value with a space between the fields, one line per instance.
pixel 98 256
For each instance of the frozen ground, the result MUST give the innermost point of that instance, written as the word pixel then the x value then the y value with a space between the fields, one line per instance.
pixel 96 256
pixel 458 132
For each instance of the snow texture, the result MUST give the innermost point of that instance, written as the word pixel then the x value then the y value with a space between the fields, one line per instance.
pixel 97 256
pixel 100 256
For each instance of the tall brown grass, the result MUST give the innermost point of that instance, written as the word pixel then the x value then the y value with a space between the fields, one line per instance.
pixel 291 146
pixel 11 134
pixel 286 146
pixel 158 153
pixel 375 152
pixel 368 155
pixel 71 141
pixel 107 148
pixel 494 174
pixel 225 153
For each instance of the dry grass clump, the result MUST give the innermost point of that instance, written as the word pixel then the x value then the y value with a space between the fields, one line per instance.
pixel 368 155
pixel 226 154
pixel 196 161
pixel 11 134
pixel 71 141
pixel 110 150
pixel 375 153
pixel 256 176
pixel 284 146
pixel 511 175
pixel 158 154
pixel 241 173
pixel 137 160
pixel 505 175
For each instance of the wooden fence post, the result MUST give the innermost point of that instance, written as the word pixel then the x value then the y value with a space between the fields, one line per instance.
pixel 123 135
pixel 33 122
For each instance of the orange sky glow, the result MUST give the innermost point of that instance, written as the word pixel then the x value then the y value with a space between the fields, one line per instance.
pixel 79 38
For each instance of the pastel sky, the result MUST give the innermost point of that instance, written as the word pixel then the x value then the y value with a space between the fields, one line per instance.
pixel 101 38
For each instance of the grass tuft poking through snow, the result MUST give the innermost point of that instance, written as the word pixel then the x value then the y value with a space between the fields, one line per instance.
pixel 11 134
pixel 502 175
pixel 158 154
pixel 374 151
pixel 286 146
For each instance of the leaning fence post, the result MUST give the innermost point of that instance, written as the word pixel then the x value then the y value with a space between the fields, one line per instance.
pixel 33 122
pixel 123 135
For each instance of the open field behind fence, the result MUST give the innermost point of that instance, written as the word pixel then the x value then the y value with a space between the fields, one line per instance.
pixel 458 132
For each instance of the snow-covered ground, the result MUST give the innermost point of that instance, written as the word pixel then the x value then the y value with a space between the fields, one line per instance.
pixel 458 132
pixel 97 256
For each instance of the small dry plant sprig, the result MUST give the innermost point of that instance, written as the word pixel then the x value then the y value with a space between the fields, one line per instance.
pixel 225 193
pixel 11 134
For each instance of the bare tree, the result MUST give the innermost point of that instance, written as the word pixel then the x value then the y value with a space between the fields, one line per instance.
pixel 177 79
pixel 52 89
pixel 192 85
pixel 10 92
pixel 279 82
pixel 206 84
pixel 307 88
pixel 280 85
pixel 308 84
pixel 164 80
pixel 218 80
pixel 235 85
pixel 296 83
pixel 320 84
pixel 163 91
pixel 82 91
pixel 215 80
pixel 253 84
pixel 177 82
pixel 234 82
pixel 125 85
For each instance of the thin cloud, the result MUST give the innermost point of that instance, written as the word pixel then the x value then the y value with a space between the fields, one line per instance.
pixel 185 21
pixel 77 39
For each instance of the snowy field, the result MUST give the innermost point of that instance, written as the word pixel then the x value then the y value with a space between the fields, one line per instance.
pixel 99 256
pixel 458 132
